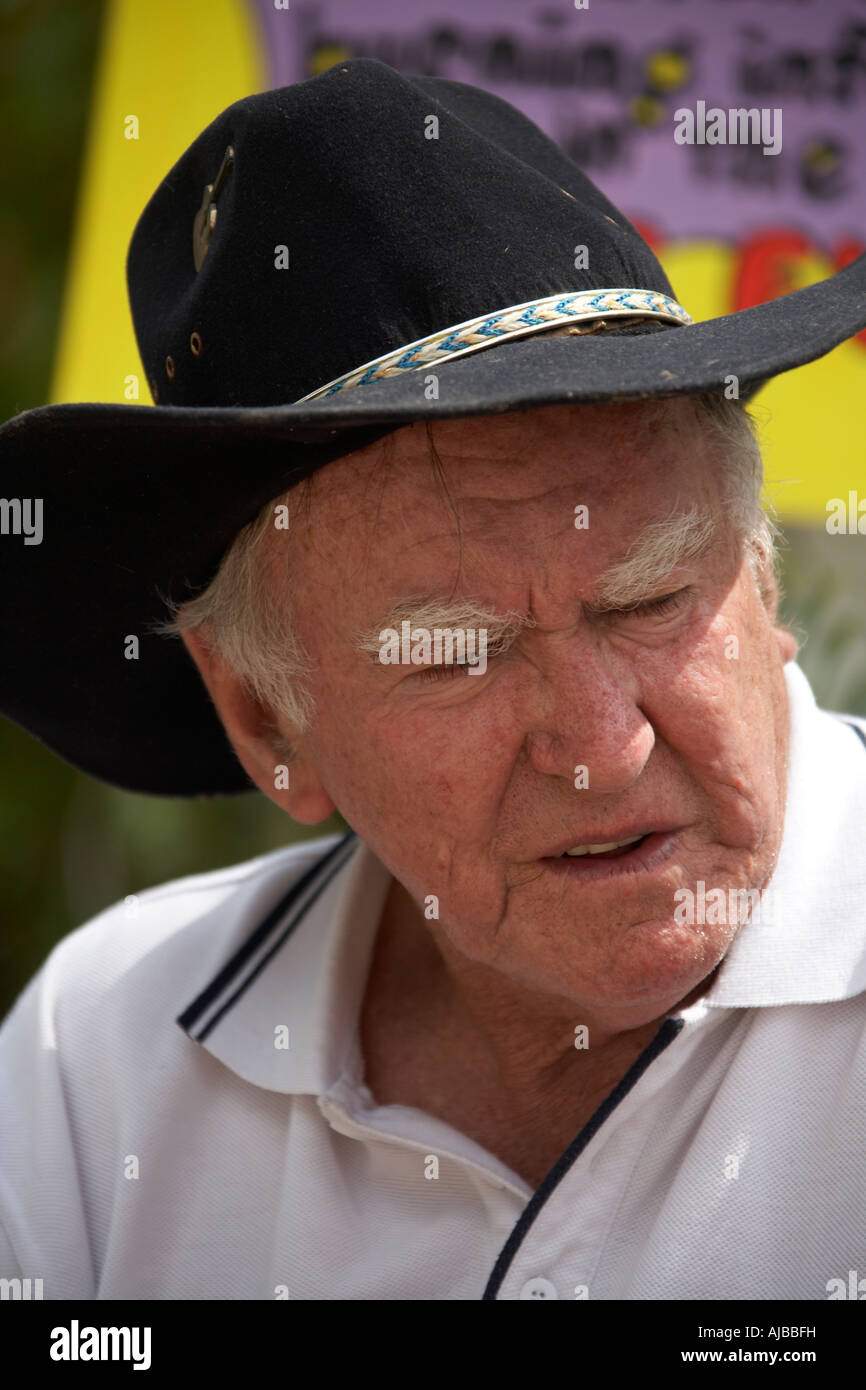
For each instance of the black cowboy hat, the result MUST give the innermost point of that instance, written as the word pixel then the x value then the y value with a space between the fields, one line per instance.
pixel 306 232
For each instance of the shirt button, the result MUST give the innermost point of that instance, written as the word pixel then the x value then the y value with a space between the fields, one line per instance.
pixel 538 1288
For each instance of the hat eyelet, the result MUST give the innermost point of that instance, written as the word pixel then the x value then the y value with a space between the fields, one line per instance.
pixel 169 367
pixel 154 389
pixel 195 344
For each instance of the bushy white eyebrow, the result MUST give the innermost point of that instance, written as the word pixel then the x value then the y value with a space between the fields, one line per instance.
pixel 501 628
pixel 653 555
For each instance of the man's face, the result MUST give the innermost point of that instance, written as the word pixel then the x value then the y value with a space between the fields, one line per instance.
pixel 464 784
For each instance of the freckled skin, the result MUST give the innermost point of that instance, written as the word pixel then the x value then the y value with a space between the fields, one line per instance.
pixel 461 786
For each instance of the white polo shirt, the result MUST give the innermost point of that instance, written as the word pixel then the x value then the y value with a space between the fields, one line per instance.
pixel 183 1114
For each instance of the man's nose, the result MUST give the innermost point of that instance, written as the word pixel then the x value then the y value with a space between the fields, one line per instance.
pixel 584 718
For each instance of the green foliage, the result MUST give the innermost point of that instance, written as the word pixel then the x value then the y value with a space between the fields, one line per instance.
pixel 47 54
pixel 71 846
pixel 824 579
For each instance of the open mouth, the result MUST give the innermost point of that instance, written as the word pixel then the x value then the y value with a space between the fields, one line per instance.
pixel 637 854
pixel 607 851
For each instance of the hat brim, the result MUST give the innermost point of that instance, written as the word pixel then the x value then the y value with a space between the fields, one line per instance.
pixel 142 501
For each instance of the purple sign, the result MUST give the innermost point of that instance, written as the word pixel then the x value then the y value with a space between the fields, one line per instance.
pixel 606 82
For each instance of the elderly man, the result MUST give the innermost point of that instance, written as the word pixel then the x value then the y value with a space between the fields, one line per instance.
pixel 576 1008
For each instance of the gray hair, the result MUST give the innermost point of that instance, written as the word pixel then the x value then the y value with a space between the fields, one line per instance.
pixel 250 624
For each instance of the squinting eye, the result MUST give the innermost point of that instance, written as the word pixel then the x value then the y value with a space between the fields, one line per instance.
pixel 650 608
pixel 449 670
pixel 667 603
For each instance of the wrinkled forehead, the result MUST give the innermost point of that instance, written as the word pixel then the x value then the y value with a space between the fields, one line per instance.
pixel 496 473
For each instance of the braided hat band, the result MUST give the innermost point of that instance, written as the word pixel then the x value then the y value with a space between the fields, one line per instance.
pixel 534 316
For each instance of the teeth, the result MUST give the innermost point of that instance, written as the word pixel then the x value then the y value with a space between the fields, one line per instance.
pixel 600 849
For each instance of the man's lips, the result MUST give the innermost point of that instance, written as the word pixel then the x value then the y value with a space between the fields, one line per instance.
pixel 611 836
pixel 641 857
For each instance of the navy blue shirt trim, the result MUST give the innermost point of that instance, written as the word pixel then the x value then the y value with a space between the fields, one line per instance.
pixel 857 729
pixel 227 986
pixel 665 1035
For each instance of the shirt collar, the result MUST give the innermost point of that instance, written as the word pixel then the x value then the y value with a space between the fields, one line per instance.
pixel 305 965
pixel 283 1012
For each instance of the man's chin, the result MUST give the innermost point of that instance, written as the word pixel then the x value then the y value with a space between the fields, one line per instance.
pixel 654 964
pixel 661 962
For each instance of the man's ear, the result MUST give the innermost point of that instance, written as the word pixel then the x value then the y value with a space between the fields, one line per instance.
pixel 259 738
pixel 788 645
pixel 768 584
